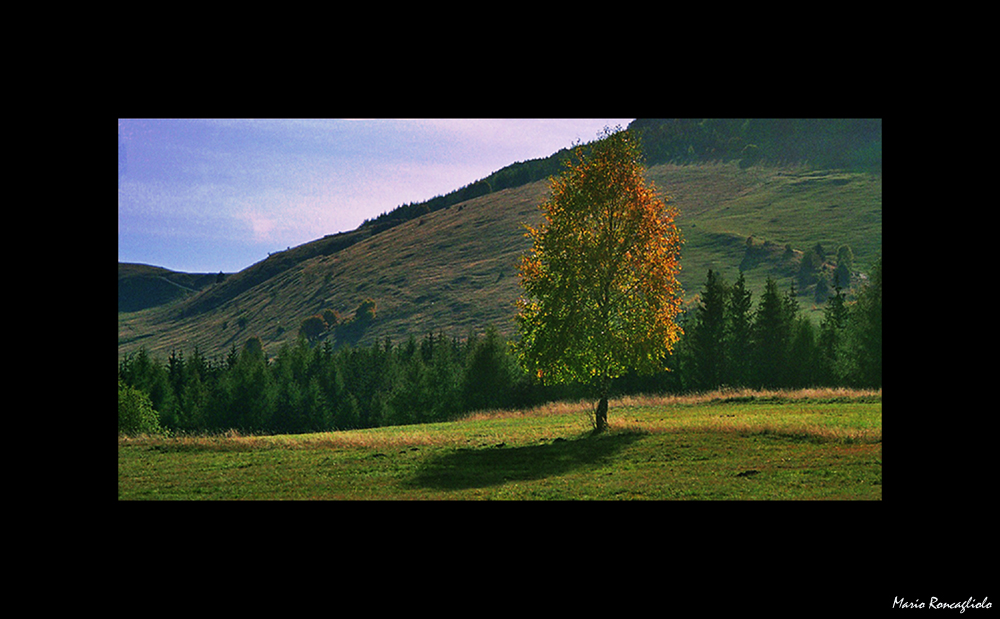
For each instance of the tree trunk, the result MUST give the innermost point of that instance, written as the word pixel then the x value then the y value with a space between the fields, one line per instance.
pixel 601 416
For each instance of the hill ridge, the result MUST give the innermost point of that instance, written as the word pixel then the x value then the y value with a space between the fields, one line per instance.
pixel 454 270
pixel 746 197
pixel 827 142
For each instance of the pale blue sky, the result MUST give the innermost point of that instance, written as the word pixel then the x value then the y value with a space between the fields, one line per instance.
pixel 210 195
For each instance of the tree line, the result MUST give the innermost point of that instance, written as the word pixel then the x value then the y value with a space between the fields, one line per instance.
pixel 730 343
pixel 313 388
pixel 854 143
pixel 729 340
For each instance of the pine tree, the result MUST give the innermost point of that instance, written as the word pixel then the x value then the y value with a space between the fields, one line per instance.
pixel 488 377
pixel 708 339
pixel 740 332
pixel 831 337
pixel 146 374
pixel 771 337
pixel 412 397
pixel 253 393
pixel 802 355
pixel 845 265
pixel 193 397
pixel 445 369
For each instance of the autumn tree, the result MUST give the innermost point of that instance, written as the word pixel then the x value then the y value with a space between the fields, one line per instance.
pixel 600 286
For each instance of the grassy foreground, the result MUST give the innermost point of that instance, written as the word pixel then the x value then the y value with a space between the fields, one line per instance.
pixel 814 444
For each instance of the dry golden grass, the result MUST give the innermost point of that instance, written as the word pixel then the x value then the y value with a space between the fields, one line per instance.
pixel 730 394
pixel 626 414
pixel 795 421
pixel 646 400
pixel 811 444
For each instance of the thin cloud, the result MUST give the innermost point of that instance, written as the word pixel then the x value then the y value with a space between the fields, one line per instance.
pixel 201 185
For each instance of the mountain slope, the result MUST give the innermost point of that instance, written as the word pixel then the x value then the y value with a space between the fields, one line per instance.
pixel 454 270
pixel 141 286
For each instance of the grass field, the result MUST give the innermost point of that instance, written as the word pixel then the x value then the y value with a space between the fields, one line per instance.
pixel 803 445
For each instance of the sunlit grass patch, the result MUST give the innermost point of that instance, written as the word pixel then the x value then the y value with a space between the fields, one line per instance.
pixel 710 446
pixel 801 414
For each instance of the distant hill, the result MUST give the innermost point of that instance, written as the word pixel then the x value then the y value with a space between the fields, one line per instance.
pixel 840 143
pixel 853 143
pixel 141 286
pixel 449 264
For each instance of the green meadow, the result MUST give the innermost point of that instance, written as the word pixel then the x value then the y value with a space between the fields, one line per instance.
pixel 730 445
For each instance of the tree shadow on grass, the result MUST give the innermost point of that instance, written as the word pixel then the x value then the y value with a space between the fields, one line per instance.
pixel 491 466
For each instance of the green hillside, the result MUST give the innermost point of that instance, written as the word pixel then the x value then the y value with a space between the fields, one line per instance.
pixel 141 286
pixel 453 269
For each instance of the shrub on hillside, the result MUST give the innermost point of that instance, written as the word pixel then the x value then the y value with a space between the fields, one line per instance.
pixel 331 317
pixel 313 327
pixel 365 312
pixel 135 412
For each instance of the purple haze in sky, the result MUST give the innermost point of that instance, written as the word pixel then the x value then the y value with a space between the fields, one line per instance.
pixel 210 195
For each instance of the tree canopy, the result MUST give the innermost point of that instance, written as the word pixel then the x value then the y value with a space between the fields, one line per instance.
pixel 600 282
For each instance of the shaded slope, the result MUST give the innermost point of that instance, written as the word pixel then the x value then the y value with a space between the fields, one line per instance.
pixel 450 271
pixel 141 286
pixel 455 270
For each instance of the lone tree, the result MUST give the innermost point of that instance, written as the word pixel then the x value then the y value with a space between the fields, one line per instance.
pixel 600 283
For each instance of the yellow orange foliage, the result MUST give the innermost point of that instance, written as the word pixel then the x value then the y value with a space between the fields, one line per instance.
pixel 601 295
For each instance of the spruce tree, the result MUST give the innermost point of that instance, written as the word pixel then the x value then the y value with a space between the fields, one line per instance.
pixel 488 377
pixel 802 370
pixel 831 337
pixel 445 374
pixel 771 337
pixel 252 391
pixel 739 332
pixel 708 339
pixel 146 374
pixel 845 265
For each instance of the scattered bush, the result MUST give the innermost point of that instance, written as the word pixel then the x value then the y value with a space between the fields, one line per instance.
pixel 135 412
pixel 365 312
pixel 313 327
pixel 332 318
